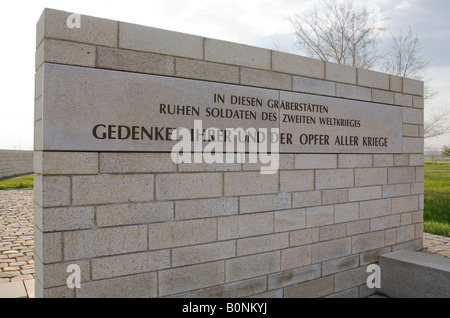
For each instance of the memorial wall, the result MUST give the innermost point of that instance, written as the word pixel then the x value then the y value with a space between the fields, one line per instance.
pixel 169 164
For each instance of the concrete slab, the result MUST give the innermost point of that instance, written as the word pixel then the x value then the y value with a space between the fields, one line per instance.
pixel 13 290
pixel 409 274
pixel 29 286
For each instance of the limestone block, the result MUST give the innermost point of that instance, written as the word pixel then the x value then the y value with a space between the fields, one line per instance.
pixel 38 82
pixel 351 278
pixel 410 130
pixel 312 289
pixel 334 196
pixel 293 276
pixel 52 191
pixel 416 160
pixel 133 61
pixel 405 233
pixel 340 73
pixel 313 86
pixel 384 222
pixel 354 161
pixel 297 65
pixel 353 92
pixel 266 79
pixel 203 208
pixel 207 71
pixel 358 227
pixel 320 215
pixel 370 176
pixel 252 266
pixel 104 189
pixel 56 274
pixel 108 241
pixel 66 163
pixel 383 160
pixel 365 193
pixel 129 264
pixel 289 220
pixel 417 188
pixel 237 54
pixel 373 79
pixel 413 87
pixel 136 163
pixel 306 199
pixel 240 226
pixel 368 241
pixel 396 190
pixel 63 52
pixel 396 83
pixel 129 214
pixel 401 160
pixel 261 244
pixel 401 175
pixel 134 286
pixel 147 39
pixel 47 246
pixel 340 264
pixel 335 178
pixel 406 218
pixel 296 181
pixel 296 257
pixel 403 99
pixel 38 109
pixel 327 250
pixel 64 219
pixel 374 208
pixel 413 145
pixel 181 233
pixel 245 288
pixel 384 97
pixel 418 102
pixel 412 116
pixel 267 202
pixel 236 183
pixel 405 204
pixel 188 186
pixel 331 232
pixel 315 161
pixel 53 25
pixel 203 253
pixel 346 212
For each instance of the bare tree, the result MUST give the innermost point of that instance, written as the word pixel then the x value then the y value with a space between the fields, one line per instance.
pixel 340 33
pixel 404 58
pixel 436 124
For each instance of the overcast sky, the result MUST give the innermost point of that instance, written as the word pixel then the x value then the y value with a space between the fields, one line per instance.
pixel 260 23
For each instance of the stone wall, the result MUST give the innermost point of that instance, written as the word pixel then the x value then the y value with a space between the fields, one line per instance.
pixel 139 225
pixel 15 162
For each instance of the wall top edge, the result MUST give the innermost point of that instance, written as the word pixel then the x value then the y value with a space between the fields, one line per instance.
pixel 106 32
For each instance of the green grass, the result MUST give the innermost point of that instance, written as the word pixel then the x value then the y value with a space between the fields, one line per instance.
pixel 437 199
pixel 23 182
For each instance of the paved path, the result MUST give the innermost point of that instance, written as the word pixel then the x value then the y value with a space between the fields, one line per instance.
pixel 17 244
pixel 16 235
pixel 436 244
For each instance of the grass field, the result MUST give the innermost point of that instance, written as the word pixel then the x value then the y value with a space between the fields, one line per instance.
pixel 23 182
pixel 437 199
